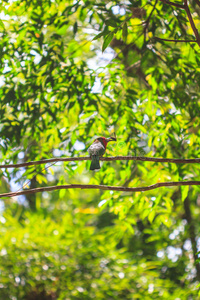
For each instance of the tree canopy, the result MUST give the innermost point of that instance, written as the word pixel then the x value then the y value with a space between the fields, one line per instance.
pixel 72 71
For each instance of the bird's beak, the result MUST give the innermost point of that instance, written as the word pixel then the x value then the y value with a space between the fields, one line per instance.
pixel 111 139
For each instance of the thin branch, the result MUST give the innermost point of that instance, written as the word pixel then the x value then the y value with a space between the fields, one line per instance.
pixel 176 41
pixel 186 8
pixel 173 4
pixel 100 187
pixel 151 13
pixel 135 65
pixel 26 183
pixel 197 2
pixel 196 33
pixel 148 19
pixel 111 158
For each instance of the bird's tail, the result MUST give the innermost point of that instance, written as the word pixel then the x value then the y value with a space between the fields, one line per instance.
pixel 95 163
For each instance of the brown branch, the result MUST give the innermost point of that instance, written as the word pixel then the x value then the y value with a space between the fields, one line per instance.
pixel 173 4
pixel 112 158
pixel 196 33
pixel 151 13
pixel 197 2
pixel 43 161
pixel 148 19
pixel 186 8
pixel 176 41
pixel 100 187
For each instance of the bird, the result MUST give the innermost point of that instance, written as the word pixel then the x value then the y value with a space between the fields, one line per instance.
pixel 97 149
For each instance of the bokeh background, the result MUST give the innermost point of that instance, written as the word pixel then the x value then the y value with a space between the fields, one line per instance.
pixel 59 92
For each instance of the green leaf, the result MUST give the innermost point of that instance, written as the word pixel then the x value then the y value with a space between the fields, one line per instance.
pixel 103 33
pixel 107 40
pixel 184 192
pixel 124 32
pixel 151 216
pixel 75 28
pixel 111 22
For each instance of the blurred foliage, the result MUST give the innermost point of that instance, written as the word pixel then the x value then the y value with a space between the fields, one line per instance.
pixel 59 92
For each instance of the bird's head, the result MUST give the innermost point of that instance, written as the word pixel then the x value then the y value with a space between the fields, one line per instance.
pixel 105 141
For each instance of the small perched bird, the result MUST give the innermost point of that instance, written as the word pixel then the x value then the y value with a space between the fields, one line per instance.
pixel 98 149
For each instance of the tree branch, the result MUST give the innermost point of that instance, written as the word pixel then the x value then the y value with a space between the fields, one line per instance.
pixel 186 8
pixel 197 2
pixel 173 4
pixel 196 33
pixel 100 187
pixel 176 41
pixel 148 19
pixel 111 158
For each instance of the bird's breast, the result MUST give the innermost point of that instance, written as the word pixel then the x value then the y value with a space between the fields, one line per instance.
pixel 96 149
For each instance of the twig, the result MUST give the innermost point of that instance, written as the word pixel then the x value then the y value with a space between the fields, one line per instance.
pixel 111 158
pixel 148 19
pixel 25 184
pixel 100 187
pixel 197 2
pixel 173 4
pixel 176 41
pixel 196 33
pixel 186 8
